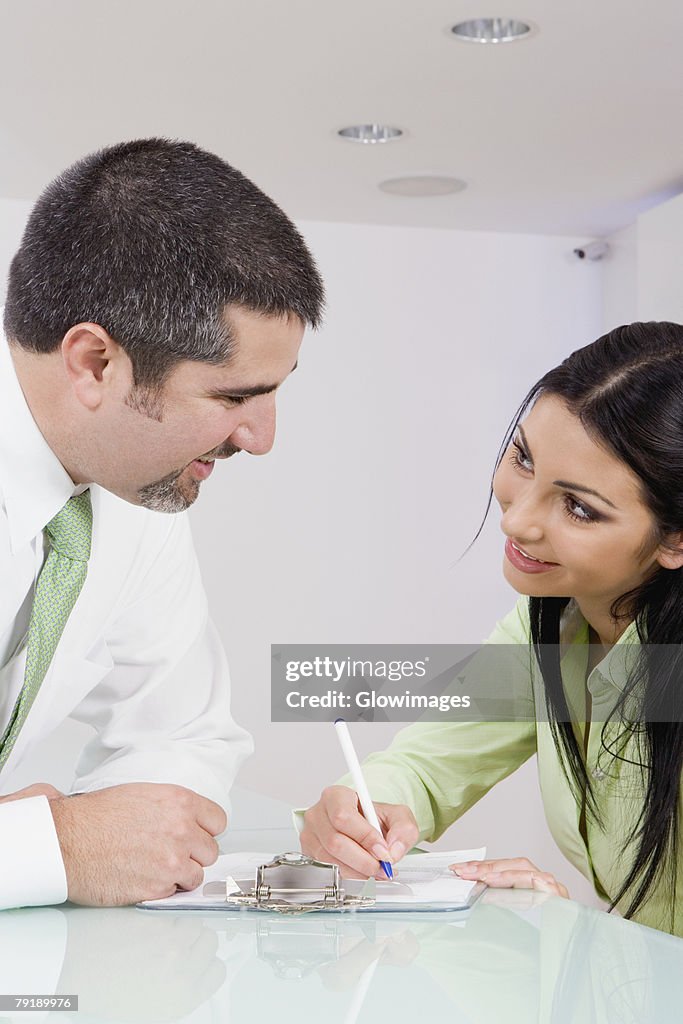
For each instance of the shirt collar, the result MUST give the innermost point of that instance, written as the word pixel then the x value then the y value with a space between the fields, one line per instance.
pixel 34 485
pixel 619 660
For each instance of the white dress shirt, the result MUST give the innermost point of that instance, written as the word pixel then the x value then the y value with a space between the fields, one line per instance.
pixel 139 659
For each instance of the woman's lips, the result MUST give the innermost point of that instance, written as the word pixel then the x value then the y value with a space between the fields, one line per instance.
pixel 524 564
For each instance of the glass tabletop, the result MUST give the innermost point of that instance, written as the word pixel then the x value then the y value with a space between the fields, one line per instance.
pixel 516 957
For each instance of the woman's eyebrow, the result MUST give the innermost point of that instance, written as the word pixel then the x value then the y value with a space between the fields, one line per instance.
pixel 567 484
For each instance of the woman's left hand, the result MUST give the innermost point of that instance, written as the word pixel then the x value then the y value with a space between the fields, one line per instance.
pixel 510 873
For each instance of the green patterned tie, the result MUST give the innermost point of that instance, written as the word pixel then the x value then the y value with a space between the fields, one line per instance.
pixel 58 586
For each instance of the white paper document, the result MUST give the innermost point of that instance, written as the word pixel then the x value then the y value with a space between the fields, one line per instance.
pixel 422 878
pixel 426 878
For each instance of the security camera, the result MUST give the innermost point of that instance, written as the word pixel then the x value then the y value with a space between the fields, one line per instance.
pixel 592 251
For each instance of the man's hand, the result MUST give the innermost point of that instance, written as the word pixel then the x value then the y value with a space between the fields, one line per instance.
pixel 136 841
pixel 336 831
pixel 37 789
pixel 510 873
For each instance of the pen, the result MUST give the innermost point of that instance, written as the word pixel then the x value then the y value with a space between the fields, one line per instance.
pixel 359 782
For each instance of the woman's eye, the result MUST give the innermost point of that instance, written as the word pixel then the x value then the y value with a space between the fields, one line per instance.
pixel 578 511
pixel 520 458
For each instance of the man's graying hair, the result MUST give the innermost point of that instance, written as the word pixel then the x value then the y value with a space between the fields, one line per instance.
pixel 151 240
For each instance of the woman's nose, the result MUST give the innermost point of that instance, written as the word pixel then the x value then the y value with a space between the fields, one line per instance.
pixel 521 521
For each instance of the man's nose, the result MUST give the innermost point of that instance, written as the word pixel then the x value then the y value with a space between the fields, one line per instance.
pixel 256 433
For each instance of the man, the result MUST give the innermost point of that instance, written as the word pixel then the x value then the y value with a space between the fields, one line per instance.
pixel 157 302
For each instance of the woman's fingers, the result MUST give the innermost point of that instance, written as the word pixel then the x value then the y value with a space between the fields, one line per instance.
pixel 541 881
pixel 545 883
pixel 400 829
pixel 336 831
pixel 511 873
pixel 502 864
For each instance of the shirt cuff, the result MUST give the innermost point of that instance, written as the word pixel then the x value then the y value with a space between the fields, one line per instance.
pixel 32 870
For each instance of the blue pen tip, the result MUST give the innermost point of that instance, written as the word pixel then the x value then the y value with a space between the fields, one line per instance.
pixel 338 720
pixel 387 869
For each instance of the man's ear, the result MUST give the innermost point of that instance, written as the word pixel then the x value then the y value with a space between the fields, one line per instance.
pixel 670 555
pixel 90 356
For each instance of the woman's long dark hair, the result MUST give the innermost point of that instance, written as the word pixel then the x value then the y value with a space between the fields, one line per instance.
pixel 627 390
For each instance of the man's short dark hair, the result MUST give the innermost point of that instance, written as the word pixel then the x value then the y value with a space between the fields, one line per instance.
pixel 152 239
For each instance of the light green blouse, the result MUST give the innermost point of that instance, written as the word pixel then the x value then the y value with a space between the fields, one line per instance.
pixel 441 769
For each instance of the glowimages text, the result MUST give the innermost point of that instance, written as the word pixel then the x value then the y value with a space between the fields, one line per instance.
pixel 364 699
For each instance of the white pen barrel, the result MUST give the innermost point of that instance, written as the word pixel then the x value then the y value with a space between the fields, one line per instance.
pixel 353 765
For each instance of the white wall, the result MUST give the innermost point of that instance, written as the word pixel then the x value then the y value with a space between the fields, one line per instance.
pixel 13 216
pixel 620 279
pixel 660 258
pixel 352 528
pixel 642 276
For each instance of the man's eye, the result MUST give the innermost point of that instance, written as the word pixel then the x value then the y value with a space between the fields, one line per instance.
pixel 237 399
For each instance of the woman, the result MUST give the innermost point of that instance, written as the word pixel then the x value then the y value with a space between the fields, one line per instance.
pixel 590 485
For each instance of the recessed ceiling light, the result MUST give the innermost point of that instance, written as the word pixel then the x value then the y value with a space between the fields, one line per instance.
pixel 491 30
pixel 422 185
pixel 370 134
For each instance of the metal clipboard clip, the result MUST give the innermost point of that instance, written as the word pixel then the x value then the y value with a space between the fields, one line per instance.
pixel 296 884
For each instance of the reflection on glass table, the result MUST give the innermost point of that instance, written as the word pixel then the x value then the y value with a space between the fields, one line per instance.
pixel 517 958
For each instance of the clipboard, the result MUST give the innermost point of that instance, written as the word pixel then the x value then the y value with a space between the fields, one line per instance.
pixel 293 884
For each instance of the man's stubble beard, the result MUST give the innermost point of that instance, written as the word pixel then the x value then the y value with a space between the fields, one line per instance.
pixel 163 495
pixel 167 495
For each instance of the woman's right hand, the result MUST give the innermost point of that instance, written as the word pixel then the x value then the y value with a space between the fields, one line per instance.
pixel 336 832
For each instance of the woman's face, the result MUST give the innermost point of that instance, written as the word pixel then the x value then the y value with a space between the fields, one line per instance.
pixel 576 508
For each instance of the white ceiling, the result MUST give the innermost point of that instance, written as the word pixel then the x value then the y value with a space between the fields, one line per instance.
pixel 573 131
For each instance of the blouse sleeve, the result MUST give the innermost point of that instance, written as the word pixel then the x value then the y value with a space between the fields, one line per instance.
pixel 441 769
